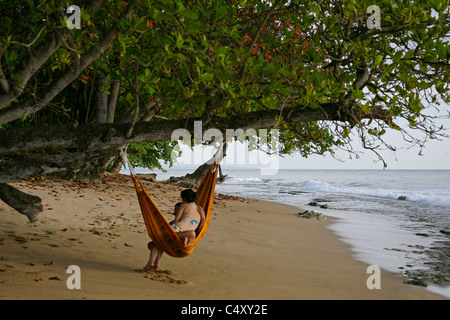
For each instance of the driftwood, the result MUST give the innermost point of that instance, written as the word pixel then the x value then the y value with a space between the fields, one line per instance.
pixel 192 180
pixel 13 171
pixel 26 204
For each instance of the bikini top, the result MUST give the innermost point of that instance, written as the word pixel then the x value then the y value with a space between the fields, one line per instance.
pixel 192 220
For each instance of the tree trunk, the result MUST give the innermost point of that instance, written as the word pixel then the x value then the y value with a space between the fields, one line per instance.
pixel 102 100
pixel 117 165
pixel 76 164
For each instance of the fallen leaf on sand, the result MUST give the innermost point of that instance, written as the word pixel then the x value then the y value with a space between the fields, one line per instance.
pixel 54 278
pixel 29 263
pixel 113 234
pixel 65 229
pixel 127 245
pixel 48 263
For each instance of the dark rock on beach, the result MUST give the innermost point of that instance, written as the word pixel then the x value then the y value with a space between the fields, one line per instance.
pixel 422 234
pixel 312 214
pixel 416 282
pixel 315 203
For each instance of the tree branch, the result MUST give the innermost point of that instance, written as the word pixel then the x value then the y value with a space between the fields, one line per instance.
pixel 44 97
pixel 91 136
pixel 258 32
pixel 30 66
pixel 26 204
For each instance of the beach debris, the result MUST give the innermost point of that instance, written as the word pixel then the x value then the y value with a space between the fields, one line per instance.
pixel 98 233
pixel 221 196
pixel 401 198
pixel 312 214
pixel 151 177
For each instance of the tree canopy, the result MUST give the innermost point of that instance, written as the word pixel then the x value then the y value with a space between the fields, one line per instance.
pixel 135 71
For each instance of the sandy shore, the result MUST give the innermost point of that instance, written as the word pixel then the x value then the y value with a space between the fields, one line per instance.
pixel 252 250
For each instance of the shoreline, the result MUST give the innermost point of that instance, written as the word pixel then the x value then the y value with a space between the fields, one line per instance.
pixel 253 249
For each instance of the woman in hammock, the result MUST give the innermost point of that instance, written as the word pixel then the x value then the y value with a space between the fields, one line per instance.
pixel 188 218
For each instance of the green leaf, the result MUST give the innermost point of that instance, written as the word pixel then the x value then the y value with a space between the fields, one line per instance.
pixel 443 51
pixel 346 133
pixel 207 77
pixel 440 86
pixel 408 55
pixel 196 27
pixel 222 12
pixel 377 60
pixel 314 105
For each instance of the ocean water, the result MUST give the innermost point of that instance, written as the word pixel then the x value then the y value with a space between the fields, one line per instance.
pixel 409 236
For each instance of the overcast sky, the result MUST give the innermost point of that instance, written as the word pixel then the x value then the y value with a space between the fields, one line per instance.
pixel 435 155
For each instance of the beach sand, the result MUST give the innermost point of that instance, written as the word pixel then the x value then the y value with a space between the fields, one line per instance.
pixel 252 250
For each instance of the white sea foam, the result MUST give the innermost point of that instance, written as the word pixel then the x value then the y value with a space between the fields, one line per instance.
pixel 380 229
pixel 434 196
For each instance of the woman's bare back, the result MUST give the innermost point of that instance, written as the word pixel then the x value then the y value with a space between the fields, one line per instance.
pixel 190 218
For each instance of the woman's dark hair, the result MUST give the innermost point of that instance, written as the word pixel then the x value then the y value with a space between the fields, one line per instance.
pixel 188 195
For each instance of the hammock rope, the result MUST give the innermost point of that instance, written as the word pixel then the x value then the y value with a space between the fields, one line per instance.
pixel 158 227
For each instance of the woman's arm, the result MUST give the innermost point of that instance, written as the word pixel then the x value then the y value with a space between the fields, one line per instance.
pixel 178 214
pixel 202 218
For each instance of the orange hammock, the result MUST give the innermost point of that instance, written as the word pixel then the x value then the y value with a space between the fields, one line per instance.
pixel 157 226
